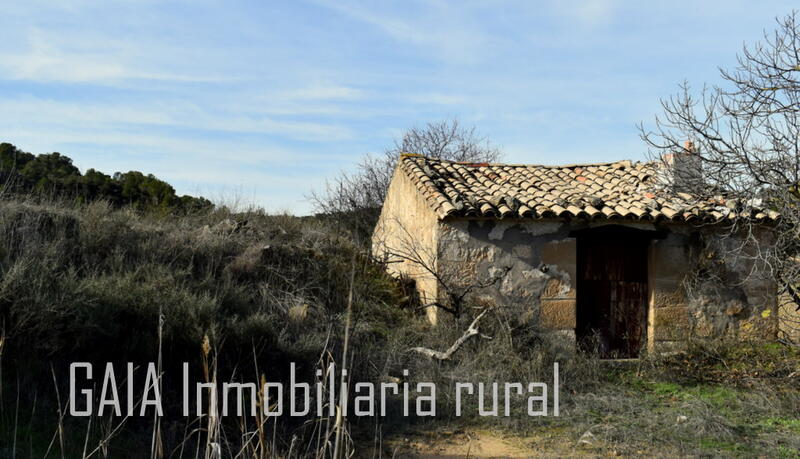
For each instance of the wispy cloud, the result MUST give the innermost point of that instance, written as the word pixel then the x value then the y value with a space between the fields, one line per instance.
pixel 589 12
pixel 438 28
pixel 438 98
pixel 270 98
pixel 163 114
pixel 44 62
pixel 325 93
pixel 47 60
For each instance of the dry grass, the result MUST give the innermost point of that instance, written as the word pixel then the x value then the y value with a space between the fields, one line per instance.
pixel 92 283
pixel 239 296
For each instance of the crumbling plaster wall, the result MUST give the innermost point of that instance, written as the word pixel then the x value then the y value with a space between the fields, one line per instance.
pixel 540 283
pixel 539 257
pixel 731 292
pixel 406 236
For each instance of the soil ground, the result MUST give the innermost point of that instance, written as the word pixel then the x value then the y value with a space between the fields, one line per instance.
pixel 553 442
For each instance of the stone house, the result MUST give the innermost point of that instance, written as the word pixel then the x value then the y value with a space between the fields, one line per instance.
pixel 596 252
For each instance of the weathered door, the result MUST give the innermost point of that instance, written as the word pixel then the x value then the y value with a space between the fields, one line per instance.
pixel 612 292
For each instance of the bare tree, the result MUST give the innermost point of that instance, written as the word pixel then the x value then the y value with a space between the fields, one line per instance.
pixel 744 139
pixel 456 293
pixel 359 195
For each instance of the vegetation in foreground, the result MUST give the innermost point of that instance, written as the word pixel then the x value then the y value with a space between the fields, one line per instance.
pixel 716 398
pixel 242 295
pixel 121 269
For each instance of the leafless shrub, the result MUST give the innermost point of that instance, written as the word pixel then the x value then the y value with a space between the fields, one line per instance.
pixel 743 147
pixel 359 195
pixel 454 291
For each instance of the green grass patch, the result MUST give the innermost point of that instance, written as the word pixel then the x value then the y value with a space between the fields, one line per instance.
pixel 713 394
pixel 725 446
pixel 792 425
pixel 785 451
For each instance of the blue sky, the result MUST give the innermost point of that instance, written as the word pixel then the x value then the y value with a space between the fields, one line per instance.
pixel 261 101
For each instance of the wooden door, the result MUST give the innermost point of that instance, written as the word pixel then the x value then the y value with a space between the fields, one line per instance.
pixel 612 292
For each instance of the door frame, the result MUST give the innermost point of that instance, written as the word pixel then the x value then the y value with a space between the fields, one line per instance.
pixel 617 231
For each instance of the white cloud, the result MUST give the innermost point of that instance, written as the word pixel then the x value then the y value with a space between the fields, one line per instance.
pixel 44 62
pixel 325 93
pixel 221 97
pixel 589 12
pixel 274 177
pixel 439 28
pixel 83 59
pixel 144 144
pixel 437 98
pixel 51 113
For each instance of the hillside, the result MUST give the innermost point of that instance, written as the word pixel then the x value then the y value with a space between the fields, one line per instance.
pixel 54 175
pixel 241 296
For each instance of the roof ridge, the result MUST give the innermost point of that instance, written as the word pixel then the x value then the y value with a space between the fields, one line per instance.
pixel 405 155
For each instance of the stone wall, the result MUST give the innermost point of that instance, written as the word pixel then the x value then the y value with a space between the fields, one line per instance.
pixel 539 286
pixel 789 319
pixel 539 257
pixel 406 235
pixel 731 293
pixel 669 262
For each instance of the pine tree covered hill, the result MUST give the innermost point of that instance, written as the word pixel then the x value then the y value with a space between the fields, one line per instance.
pixel 54 174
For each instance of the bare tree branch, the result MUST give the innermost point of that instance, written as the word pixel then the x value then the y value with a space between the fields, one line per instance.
pixel 471 331
pixel 456 289
pixel 359 195
pixel 745 135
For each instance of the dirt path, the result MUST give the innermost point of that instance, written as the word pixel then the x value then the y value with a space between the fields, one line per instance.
pixel 486 444
pixel 472 444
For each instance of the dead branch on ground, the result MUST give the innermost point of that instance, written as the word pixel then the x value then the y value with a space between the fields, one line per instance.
pixel 469 333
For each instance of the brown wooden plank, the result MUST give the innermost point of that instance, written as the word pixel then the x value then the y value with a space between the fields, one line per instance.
pixel 612 292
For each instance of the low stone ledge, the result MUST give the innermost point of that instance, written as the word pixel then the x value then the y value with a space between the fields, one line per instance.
pixel 557 314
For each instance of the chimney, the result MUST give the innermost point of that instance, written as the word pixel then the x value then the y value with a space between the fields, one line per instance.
pixel 683 169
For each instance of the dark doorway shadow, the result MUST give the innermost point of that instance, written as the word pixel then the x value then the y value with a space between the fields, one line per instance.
pixel 612 290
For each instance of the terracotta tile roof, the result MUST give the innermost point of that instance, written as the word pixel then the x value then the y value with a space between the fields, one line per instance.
pixel 623 190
